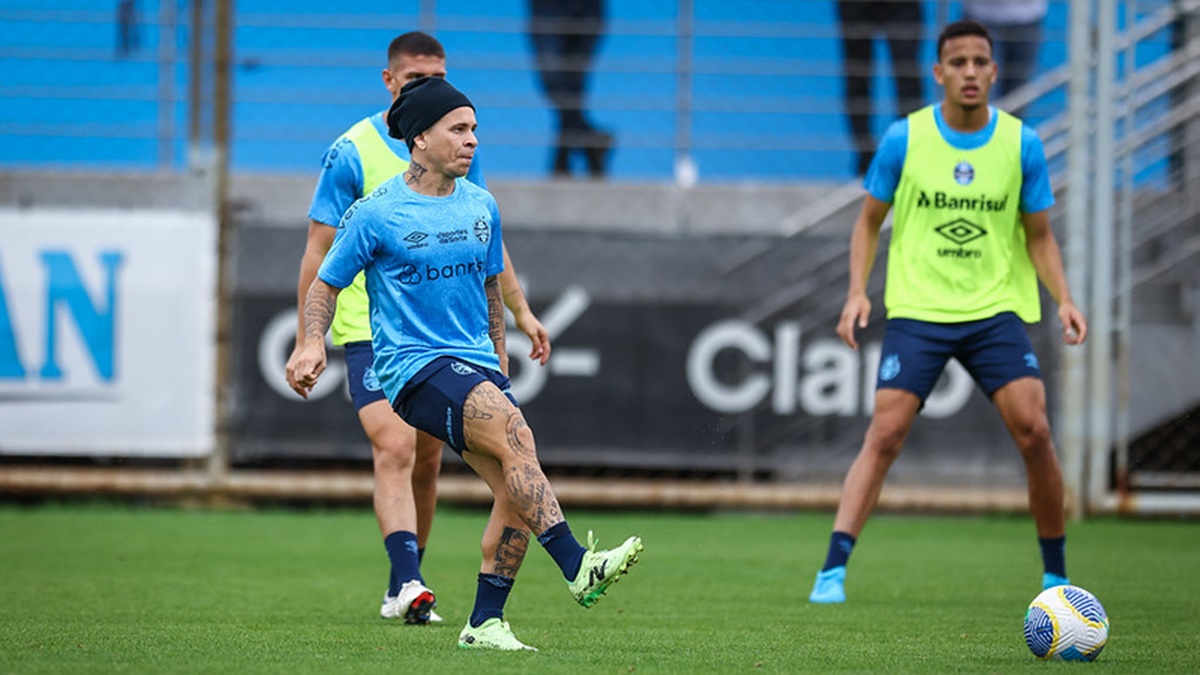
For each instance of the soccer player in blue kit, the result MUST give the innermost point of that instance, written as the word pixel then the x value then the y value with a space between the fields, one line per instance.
pixel 971 239
pixel 430 244
pixel 406 462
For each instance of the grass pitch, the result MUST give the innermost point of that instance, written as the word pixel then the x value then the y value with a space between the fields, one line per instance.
pixel 111 588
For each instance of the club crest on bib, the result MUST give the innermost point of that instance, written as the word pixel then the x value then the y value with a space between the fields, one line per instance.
pixel 964 173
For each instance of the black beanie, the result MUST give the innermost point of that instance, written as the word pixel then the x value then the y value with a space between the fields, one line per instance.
pixel 420 105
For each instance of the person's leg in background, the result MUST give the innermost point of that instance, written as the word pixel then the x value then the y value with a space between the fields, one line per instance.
pixel 857 67
pixel 905 30
pixel 1017 54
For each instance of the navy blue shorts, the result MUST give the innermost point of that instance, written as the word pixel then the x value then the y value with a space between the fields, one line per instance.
pixel 433 399
pixel 994 351
pixel 360 374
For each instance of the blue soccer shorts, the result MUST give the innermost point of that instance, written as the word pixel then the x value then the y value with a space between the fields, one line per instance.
pixel 433 399
pixel 360 374
pixel 995 351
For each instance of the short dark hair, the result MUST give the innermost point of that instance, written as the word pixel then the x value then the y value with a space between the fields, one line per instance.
pixel 415 43
pixel 962 28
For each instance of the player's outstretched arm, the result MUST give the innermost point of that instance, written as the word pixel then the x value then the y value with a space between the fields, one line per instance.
pixel 1047 260
pixel 527 321
pixel 864 242
pixel 319 305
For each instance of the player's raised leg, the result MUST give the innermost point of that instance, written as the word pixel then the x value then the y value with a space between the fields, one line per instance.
pixel 495 428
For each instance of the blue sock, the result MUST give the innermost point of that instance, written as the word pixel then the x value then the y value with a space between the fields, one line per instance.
pixel 1054 555
pixel 840 546
pixel 564 548
pixel 491 592
pixel 402 551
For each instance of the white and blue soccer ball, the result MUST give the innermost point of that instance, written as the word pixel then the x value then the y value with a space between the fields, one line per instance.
pixel 1066 623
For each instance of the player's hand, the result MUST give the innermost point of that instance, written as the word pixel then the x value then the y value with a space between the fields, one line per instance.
pixel 854 317
pixel 290 370
pixel 304 367
pixel 1074 325
pixel 538 337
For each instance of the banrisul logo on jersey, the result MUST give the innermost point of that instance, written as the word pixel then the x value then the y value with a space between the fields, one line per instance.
pixel 979 203
pixel 411 275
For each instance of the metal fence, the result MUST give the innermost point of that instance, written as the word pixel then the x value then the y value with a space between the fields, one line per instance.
pixel 688 89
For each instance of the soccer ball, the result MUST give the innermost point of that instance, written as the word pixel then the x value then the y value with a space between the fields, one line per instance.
pixel 1066 623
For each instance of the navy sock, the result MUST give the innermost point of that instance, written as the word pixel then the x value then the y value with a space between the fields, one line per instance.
pixel 564 548
pixel 491 592
pixel 840 546
pixel 402 551
pixel 420 557
pixel 1054 554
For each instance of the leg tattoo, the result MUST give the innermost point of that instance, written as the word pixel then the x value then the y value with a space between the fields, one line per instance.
pixel 510 553
pixel 526 484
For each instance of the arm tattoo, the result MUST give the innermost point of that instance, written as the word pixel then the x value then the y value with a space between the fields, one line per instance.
pixel 491 287
pixel 510 553
pixel 414 173
pixel 319 306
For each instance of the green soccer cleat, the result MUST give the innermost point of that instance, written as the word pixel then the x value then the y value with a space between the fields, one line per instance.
pixel 602 569
pixel 491 634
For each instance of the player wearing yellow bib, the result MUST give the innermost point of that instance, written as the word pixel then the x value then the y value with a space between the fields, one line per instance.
pixel 406 462
pixel 971 239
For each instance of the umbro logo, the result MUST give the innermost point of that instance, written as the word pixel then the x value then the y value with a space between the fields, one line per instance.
pixel 961 231
pixel 416 237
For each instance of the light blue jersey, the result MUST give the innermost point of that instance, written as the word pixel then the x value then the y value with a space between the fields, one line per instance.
pixel 425 260
pixel 341 179
pixel 884 174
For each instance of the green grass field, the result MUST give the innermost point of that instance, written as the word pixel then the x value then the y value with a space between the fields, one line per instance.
pixel 111 588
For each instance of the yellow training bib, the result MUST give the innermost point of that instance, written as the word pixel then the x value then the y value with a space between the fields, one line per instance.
pixel 351 320
pixel 958 245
